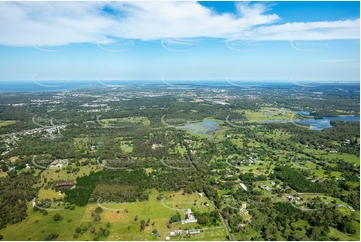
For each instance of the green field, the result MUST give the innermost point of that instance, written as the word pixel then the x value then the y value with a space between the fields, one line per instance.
pixel 29 228
pixel 7 122
pixel 52 174
pixel 123 226
pixel 128 148
pixel 268 114
pixel 346 157
pixel 123 121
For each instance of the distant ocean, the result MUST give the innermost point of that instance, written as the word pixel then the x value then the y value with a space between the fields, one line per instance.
pixel 56 86
pixel 29 86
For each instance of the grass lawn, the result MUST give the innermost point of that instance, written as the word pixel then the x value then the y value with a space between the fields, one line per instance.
pixel 123 121
pixel 246 235
pixel 346 157
pixel 209 235
pixel 337 174
pixel 43 194
pixel 29 228
pixel 63 175
pixel 3 174
pixel 344 237
pixel 128 148
pixel 7 122
pixel 267 114
pixel 123 226
pixel 153 209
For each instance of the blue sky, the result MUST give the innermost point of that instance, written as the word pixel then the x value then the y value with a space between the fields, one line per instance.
pixel 314 41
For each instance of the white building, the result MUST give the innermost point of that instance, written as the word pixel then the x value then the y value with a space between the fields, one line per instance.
pixel 243 186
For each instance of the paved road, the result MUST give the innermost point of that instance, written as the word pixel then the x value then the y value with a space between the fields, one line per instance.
pixel 226 225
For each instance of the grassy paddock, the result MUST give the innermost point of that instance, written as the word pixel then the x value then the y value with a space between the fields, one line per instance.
pixel 6 123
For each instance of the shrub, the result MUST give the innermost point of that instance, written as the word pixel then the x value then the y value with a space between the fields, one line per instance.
pixel 57 217
pixel 51 236
pixel 98 210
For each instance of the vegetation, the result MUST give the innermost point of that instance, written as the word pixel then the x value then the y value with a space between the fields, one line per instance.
pixel 137 182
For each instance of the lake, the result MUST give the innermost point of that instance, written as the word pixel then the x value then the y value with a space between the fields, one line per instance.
pixel 65 187
pixel 319 124
pixel 204 127
pixel 316 124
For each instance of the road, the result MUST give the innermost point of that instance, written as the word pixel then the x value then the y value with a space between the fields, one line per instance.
pixel 226 225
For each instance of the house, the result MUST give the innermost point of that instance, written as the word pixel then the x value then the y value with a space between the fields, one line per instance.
pixel 200 194
pixel 243 186
pixel 59 163
pixel 273 183
pixel 176 232
pixel 190 218
pixel 155 146
pixel 193 232
pixel 340 205
pixel 243 208
pixel 241 225
pixel 267 188
pixel 351 208
pixel 167 238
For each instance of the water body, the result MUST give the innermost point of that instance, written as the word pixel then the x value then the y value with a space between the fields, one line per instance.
pixel 44 86
pixel 303 113
pixel 204 127
pixel 316 124
pixel 319 124
pixel 66 187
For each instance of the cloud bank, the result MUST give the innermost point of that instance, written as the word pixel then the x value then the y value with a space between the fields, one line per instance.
pixel 63 23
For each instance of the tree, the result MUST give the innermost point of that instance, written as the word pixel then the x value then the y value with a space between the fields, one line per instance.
pixel 154 231
pixel 78 230
pixel 108 225
pixel 51 236
pixel 136 218
pixel 4 167
pixel 97 218
pixel 57 217
pixel 175 218
pixel 349 228
pixel 98 210
pixel 106 233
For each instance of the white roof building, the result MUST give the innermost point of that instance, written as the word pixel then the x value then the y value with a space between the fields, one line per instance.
pixel 243 186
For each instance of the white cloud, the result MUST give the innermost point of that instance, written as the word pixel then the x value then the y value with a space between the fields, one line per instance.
pixel 62 23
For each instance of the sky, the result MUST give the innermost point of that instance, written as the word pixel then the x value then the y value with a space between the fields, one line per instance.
pixel 174 40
